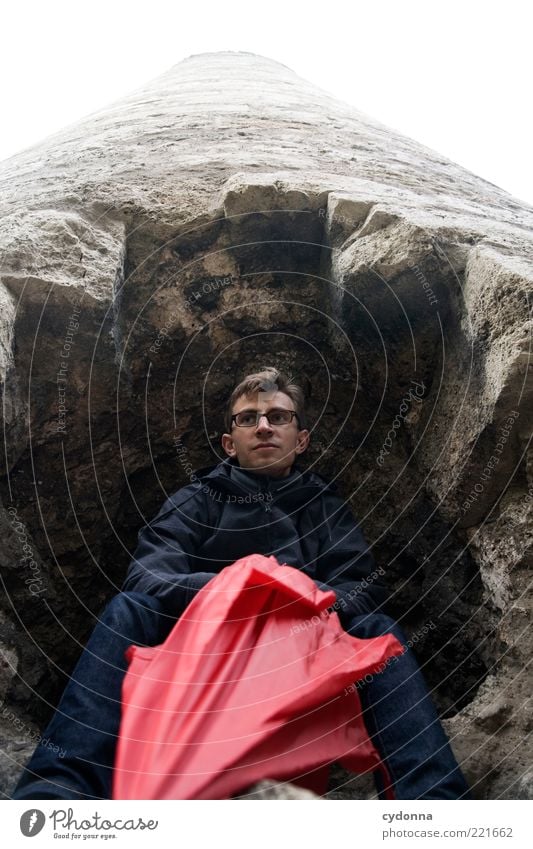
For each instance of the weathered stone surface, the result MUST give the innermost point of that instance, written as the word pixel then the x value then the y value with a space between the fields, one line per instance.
pixel 269 789
pixel 227 215
pixel 17 741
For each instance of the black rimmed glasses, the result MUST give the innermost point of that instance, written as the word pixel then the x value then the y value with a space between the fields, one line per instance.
pixel 250 418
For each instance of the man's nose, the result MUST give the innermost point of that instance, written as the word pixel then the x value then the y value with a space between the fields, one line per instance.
pixel 263 423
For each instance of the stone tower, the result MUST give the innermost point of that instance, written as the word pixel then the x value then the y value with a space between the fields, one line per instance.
pixel 228 215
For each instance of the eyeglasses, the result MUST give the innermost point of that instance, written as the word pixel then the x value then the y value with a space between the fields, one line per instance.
pixel 250 418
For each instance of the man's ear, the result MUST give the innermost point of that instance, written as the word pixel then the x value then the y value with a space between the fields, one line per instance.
pixel 303 441
pixel 228 445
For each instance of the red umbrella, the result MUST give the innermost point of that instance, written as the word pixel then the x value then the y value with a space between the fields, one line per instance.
pixel 255 680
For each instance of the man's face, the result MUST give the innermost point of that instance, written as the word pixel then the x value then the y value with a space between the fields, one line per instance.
pixel 266 449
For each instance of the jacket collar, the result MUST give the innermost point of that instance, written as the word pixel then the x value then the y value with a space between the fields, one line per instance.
pixel 230 477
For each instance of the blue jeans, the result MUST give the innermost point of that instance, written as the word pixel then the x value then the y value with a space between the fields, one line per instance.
pixel 399 713
pixel 403 723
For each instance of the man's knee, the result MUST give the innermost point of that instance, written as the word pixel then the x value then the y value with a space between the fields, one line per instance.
pixel 374 625
pixel 135 616
pixel 128 604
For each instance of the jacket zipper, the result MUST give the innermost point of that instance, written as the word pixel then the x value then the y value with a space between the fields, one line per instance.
pixel 268 510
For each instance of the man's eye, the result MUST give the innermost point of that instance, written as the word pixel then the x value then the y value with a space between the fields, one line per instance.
pixel 276 417
pixel 247 418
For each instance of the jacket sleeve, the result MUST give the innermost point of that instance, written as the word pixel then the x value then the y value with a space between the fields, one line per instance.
pixel 165 563
pixel 345 563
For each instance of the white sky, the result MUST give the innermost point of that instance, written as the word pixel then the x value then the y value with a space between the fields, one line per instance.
pixel 455 76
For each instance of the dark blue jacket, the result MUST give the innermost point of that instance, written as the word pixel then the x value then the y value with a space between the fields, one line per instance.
pixel 228 512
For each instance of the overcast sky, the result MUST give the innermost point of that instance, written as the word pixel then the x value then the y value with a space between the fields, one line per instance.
pixel 455 76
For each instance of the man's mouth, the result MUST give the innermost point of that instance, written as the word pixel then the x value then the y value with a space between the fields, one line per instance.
pixel 265 445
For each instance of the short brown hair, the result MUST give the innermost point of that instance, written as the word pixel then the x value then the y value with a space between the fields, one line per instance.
pixel 269 379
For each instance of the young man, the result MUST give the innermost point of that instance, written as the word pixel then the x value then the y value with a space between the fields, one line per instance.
pixel 255 501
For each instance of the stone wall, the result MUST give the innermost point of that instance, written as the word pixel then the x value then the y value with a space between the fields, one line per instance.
pixel 230 215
